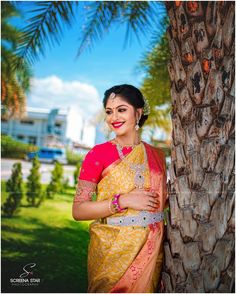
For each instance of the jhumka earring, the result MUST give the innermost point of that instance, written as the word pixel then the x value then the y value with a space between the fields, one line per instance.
pixel 137 126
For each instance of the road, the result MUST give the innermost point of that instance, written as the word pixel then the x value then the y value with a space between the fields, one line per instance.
pixel 45 170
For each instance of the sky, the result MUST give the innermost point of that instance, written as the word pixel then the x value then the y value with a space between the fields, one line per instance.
pixel 77 84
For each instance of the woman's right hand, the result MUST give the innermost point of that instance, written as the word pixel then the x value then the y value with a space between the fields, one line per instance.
pixel 140 199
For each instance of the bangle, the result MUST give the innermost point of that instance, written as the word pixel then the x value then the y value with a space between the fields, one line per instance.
pixel 109 207
pixel 116 204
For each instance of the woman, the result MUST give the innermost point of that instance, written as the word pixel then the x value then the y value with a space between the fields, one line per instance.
pixel 129 179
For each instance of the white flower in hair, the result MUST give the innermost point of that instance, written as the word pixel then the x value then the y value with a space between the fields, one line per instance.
pixel 146 107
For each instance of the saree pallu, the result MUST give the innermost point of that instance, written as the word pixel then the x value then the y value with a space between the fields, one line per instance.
pixel 128 259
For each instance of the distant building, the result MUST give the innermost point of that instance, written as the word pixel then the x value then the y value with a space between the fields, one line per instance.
pixel 40 127
pixel 80 148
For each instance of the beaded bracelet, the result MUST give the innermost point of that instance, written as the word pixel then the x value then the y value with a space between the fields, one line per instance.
pixel 116 204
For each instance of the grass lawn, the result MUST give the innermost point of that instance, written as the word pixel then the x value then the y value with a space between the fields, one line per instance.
pixel 49 237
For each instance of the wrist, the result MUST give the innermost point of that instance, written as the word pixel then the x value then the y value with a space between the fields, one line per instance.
pixel 123 201
pixel 110 207
pixel 116 203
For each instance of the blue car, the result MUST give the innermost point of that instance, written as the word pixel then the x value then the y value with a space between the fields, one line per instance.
pixel 49 155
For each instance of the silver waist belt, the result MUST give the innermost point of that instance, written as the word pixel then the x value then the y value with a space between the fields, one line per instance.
pixel 143 219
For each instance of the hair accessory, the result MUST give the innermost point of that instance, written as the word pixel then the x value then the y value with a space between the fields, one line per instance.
pixel 112 96
pixel 116 204
pixel 146 107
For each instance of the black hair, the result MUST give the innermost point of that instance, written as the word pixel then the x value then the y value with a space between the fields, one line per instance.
pixel 130 94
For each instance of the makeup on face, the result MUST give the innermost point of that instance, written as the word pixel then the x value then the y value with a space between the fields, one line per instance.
pixel 120 115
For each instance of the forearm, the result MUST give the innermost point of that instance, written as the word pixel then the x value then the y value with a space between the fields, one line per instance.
pixel 91 210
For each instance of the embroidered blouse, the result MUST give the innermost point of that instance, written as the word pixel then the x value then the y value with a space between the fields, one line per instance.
pixel 96 160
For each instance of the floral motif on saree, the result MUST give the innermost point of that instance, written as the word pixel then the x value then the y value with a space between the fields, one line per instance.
pixel 84 191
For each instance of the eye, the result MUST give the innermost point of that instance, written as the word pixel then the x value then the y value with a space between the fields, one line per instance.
pixel 122 109
pixel 108 112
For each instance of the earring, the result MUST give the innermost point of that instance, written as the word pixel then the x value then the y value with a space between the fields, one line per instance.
pixel 137 126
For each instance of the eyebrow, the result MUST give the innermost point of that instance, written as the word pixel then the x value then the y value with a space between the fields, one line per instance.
pixel 117 106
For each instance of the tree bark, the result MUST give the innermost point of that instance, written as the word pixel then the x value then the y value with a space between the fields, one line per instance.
pixel 199 247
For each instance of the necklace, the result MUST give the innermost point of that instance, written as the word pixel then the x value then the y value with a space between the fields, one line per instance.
pixel 137 168
pixel 126 145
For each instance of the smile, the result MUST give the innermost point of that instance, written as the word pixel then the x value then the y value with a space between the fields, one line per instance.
pixel 117 124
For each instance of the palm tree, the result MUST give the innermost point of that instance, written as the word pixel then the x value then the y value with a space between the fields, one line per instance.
pixel 15 82
pixel 199 249
pixel 199 254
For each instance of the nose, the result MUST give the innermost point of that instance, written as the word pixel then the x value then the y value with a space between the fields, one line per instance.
pixel 114 115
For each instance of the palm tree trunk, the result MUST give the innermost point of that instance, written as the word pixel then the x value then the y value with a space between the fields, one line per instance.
pixel 199 247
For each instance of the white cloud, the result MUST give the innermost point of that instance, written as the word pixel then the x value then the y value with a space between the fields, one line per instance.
pixel 53 91
pixel 79 99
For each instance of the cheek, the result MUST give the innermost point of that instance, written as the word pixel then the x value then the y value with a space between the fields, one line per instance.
pixel 107 119
pixel 131 118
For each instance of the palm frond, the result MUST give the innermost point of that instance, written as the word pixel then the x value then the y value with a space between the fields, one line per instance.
pixel 8 10
pixel 158 33
pixel 160 118
pixel 99 16
pixel 14 82
pixel 140 16
pixel 45 27
pixel 10 35
pixel 23 72
pixel 156 83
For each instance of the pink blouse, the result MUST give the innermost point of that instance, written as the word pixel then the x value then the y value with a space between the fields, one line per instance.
pixel 97 159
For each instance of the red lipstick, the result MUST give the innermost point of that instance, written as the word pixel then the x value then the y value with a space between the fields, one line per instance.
pixel 117 125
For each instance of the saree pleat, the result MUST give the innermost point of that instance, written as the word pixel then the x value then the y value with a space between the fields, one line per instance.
pixel 127 259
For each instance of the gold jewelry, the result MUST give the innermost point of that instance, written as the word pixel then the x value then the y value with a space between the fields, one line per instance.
pixel 137 126
pixel 137 168
pixel 126 145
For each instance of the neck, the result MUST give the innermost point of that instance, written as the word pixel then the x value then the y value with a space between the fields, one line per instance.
pixel 130 139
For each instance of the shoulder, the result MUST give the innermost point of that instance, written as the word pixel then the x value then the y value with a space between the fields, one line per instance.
pixel 99 147
pixel 98 150
pixel 93 164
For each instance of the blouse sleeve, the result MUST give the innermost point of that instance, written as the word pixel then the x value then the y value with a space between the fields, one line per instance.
pixel 84 191
pixel 92 166
pixel 90 175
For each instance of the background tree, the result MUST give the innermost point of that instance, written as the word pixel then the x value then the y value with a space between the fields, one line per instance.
pixel 65 184
pixel 200 241
pixel 156 83
pixel 56 183
pixel 15 81
pixel 14 187
pixel 11 148
pixel 33 186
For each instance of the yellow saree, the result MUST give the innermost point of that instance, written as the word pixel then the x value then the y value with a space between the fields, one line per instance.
pixel 127 259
